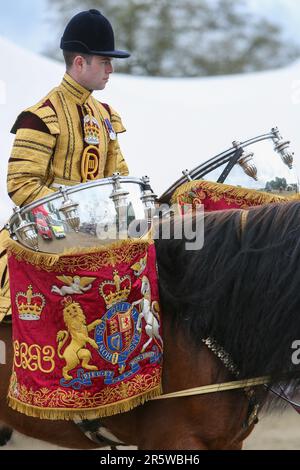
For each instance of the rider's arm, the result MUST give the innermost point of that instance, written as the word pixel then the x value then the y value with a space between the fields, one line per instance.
pixel 30 161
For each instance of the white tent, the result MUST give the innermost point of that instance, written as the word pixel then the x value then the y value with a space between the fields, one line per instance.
pixel 172 124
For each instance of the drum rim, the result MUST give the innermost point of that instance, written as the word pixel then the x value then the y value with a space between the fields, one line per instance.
pixel 70 190
pixel 199 171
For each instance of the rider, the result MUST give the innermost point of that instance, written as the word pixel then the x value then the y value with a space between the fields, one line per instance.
pixel 68 137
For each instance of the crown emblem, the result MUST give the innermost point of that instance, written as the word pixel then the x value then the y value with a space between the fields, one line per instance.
pixel 30 305
pixel 117 290
pixel 91 130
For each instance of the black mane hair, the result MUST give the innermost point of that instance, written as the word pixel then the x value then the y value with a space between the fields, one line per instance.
pixel 242 288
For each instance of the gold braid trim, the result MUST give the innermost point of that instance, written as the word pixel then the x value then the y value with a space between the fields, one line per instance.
pixel 99 412
pixel 91 259
pixel 222 190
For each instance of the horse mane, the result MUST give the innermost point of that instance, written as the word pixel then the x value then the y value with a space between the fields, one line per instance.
pixel 241 289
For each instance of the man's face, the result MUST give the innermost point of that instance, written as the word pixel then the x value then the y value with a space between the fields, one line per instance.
pixel 95 74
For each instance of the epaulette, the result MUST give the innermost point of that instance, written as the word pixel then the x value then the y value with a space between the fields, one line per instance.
pixel 43 112
pixel 116 121
pixel 49 117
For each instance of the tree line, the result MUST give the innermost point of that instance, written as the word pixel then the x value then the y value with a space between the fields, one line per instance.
pixel 185 38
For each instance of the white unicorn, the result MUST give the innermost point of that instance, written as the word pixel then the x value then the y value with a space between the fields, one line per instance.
pixel 150 313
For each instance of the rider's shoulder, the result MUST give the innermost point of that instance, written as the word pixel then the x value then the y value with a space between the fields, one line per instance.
pixel 41 116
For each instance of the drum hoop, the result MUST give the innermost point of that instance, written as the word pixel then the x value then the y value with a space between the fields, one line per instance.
pixel 73 189
pixel 206 166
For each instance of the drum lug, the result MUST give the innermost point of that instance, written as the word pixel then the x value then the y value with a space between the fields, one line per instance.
pixel 148 199
pixel 282 147
pixel 26 231
pixel 69 210
pixel 246 161
pixel 119 197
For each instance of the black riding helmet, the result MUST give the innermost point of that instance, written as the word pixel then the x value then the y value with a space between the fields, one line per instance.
pixel 89 32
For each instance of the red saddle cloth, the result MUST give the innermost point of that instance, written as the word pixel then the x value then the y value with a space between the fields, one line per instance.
pixel 86 330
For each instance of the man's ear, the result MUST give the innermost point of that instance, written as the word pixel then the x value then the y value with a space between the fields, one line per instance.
pixel 78 62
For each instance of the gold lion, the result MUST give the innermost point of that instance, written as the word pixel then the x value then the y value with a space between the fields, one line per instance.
pixel 76 351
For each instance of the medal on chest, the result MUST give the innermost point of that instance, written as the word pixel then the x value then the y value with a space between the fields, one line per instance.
pixel 110 129
pixel 91 130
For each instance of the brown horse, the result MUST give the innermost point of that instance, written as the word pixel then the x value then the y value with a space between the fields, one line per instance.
pixel 240 291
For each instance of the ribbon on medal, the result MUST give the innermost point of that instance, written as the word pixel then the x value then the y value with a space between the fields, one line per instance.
pixel 110 129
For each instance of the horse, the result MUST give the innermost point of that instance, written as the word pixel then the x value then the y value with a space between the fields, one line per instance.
pixel 230 311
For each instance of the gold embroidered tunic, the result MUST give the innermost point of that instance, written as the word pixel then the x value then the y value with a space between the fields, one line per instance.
pixel 48 152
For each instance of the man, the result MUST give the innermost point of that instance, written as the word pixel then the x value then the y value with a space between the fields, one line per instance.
pixel 68 137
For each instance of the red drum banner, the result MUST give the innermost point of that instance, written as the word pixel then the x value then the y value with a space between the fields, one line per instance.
pixel 218 196
pixel 86 330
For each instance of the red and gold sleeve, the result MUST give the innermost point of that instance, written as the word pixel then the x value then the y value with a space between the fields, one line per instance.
pixel 29 166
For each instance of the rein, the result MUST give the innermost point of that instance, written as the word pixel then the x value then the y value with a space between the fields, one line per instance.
pixel 222 387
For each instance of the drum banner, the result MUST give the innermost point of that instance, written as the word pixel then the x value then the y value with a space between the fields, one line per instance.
pixel 86 330
pixel 219 196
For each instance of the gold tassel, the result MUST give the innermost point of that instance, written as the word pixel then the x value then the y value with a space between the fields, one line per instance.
pixel 221 189
pixel 102 412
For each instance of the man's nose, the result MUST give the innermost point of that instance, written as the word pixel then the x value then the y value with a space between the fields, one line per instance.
pixel 110 68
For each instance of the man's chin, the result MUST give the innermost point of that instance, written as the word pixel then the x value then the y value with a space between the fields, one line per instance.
pixel 100 86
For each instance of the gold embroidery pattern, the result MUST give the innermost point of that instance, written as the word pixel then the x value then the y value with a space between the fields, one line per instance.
pixel 91 260
pixel 30 144
pixel 71 88
pixel 73 399
pixel 71 140
pixel 90 163
pixel 198 196
pixel 34 357
pixel 188 191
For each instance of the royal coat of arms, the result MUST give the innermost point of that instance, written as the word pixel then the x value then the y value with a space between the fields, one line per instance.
pixel 97 346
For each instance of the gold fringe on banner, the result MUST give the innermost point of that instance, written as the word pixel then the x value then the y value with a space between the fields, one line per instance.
pixel 32 257
pixel 221 189
pixel 49 261
pixel 69 414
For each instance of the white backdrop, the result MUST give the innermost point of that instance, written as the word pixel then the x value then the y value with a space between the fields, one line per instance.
pixel 172 124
